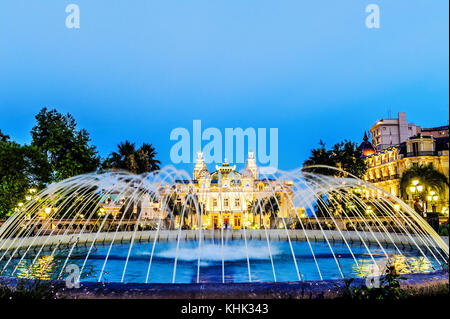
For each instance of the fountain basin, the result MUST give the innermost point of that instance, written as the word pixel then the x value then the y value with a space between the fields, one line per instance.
pixel 233 260
pixel 428 284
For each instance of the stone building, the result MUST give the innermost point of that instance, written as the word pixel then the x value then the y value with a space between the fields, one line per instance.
pixel 396 149
pixel 223 198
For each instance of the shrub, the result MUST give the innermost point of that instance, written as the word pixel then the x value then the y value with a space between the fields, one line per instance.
pixel 28 289
pixel 443 229
pixel 388 289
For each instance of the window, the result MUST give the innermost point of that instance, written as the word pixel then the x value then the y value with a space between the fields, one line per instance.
pixel 214 202
pixel 237 202
pixel 225 202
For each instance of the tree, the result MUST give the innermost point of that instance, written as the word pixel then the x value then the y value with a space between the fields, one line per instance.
pixel 21 168
pixel 135 161
pixel 270 206
pixel 347 156
pixel 320 156
pixel 267 205
pixel 172 202
pixel 3 138
pixel 146 158
pixel 344 155
pixel 427 176
pixel 67 149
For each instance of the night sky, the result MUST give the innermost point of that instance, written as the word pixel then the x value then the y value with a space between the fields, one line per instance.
pixel 138 69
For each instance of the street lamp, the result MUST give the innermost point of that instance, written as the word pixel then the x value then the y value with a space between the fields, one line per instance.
pixel 432 197
pixel 416 190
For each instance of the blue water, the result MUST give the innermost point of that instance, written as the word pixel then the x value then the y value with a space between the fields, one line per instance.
pixel 235 264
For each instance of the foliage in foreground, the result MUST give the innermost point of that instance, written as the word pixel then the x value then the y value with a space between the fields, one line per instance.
pixel 388 288
pixel 28 289
pixel 444 229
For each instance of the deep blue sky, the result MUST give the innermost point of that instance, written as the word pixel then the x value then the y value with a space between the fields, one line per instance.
pixel 137 69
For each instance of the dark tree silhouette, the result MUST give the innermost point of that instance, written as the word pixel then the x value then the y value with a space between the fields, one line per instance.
pixel 344 155
pixel 136 161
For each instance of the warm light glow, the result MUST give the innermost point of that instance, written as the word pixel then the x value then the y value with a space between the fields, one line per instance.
pixel 48 210
pixel 430 198
pixel 20 204
pixel 432 193
pixel 397 207
pixel 419 188
pixel 415 182
pixel 28 197
pixel 412 189
pixel 435 197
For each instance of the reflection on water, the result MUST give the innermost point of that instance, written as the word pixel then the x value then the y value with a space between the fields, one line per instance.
pixel 42 268
pixel 237 262
pixel 403 265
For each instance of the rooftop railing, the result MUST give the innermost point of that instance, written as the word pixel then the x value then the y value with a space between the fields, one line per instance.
pixel 423 153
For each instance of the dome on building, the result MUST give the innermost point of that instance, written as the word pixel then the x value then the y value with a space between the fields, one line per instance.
pixel 366 148
pixel 203 173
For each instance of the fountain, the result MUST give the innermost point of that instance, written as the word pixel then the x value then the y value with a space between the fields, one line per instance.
pixel 165 228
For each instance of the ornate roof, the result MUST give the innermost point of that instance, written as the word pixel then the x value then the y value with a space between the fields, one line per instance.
pixel 225 170
pixel 366 148
pixel 203 173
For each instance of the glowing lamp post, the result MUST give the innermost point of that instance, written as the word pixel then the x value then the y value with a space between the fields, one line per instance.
pixel 416 191
pixel 433 198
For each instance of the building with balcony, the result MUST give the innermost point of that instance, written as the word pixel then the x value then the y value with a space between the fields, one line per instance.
pixel 387 164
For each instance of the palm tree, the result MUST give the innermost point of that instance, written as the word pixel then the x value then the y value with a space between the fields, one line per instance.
pixel 427 175
pixel 194 208
pixel 270 206
pixel 146 158
pixel 135 161
pixel 252 208
pixel 174 206
pixel 265 206
pixel 123 158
